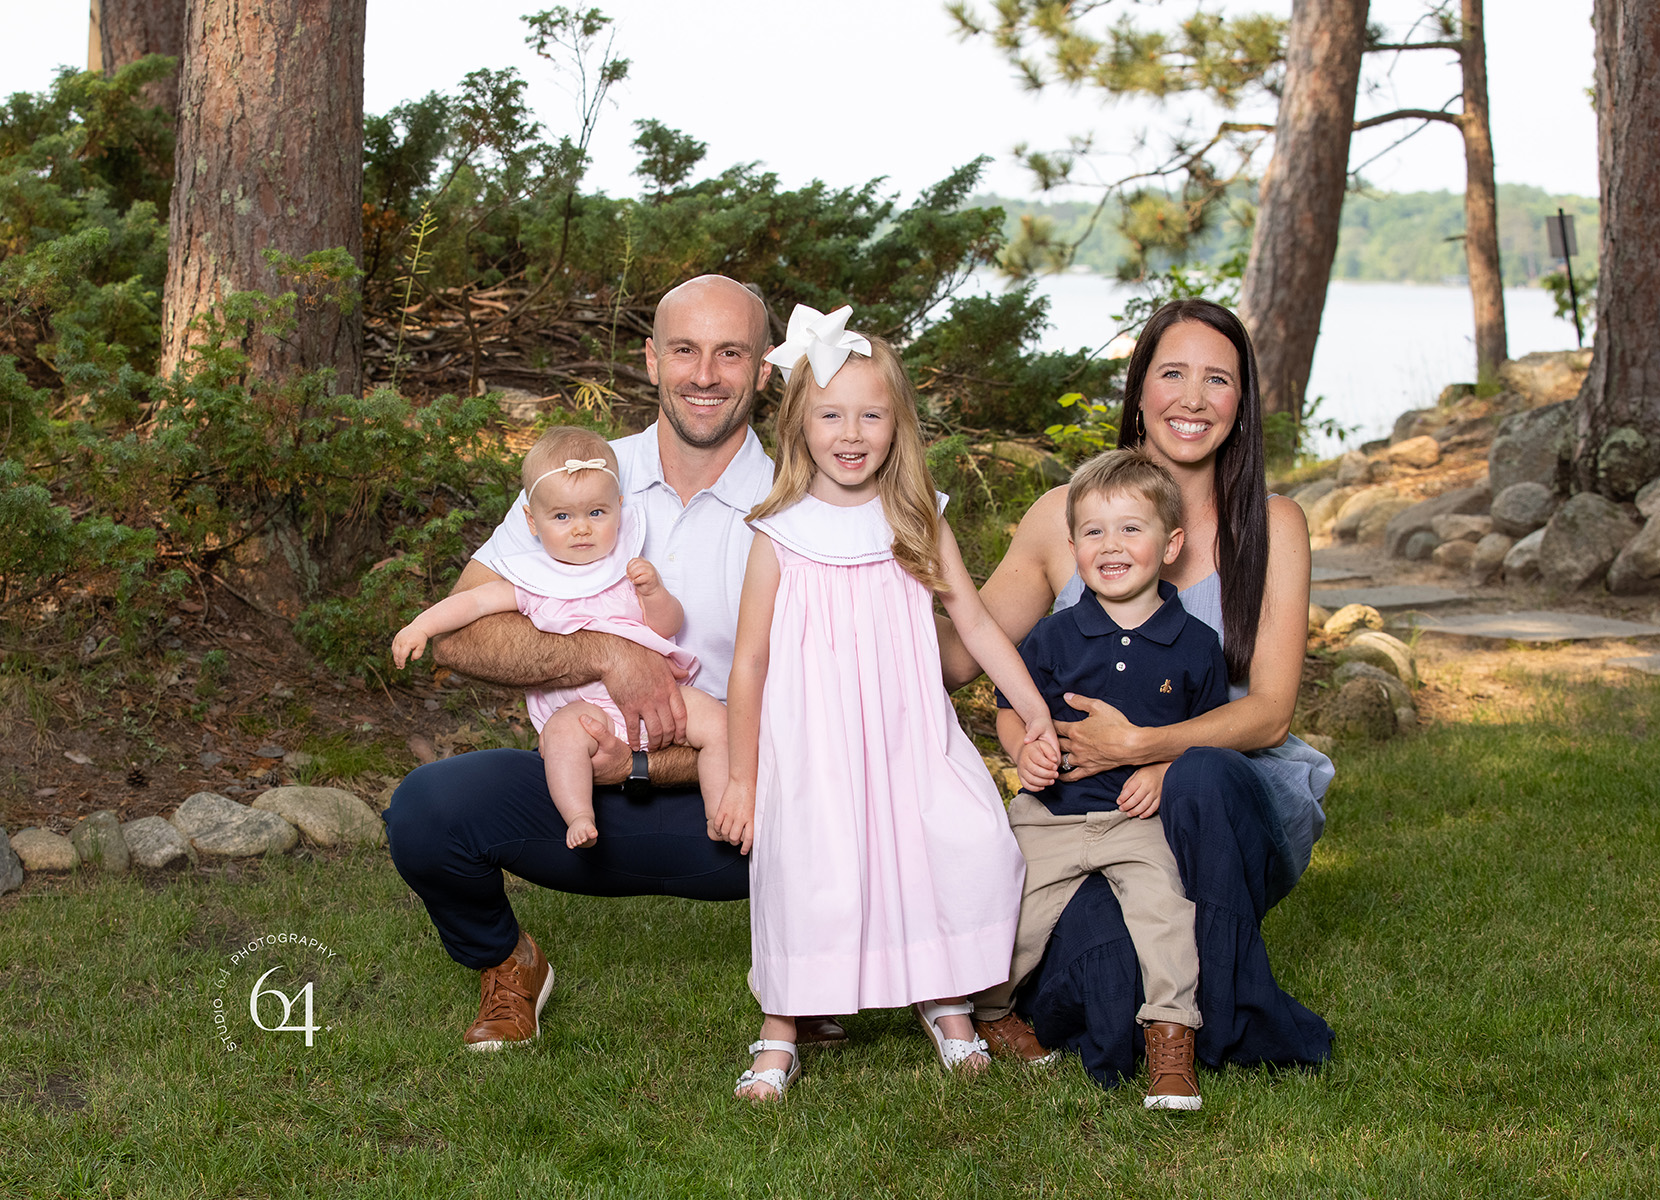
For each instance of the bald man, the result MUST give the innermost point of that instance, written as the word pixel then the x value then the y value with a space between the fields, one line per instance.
pixel 454 826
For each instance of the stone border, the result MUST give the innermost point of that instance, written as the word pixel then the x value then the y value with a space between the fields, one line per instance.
pixel 206 825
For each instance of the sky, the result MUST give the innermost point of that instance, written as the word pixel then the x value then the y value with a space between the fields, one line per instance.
pixel 856 89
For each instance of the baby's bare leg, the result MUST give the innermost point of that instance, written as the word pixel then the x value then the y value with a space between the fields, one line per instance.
pixel 567 754
pixel 706 733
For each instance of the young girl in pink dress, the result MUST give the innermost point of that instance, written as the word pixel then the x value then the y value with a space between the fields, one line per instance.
pixel 883 871
pixel 587 575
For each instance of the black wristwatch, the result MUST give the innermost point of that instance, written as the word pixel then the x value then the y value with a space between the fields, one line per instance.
pixel 638 784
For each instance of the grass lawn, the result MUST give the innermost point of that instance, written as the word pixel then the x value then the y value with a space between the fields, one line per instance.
pixel 1481 926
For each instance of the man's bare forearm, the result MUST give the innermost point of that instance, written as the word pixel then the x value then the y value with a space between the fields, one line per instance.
pixel 507 649
pixel 672 766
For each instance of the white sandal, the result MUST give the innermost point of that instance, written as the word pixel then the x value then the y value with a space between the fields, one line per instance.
pixel 953 1052
pixel 776 1078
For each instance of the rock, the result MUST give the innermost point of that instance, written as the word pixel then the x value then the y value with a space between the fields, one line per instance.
pixel 1422 515
pixel 1489 556
pixel 1400 696
pixel 1522 560
pixel 1454 392
pixel 517 403
pixel 97 840
pixel 1454 556
pixel 1353 468
pixel 1317 618
pixel 328 816
pixel 1357 506
pixel 1420 452
pixel 1048 467
pixel 219 826
pixel 1420 545
pixel 1375 523
pixel 39 850
pixel 1648 499
pixel 1582 540
pixel 269 751
pixel 1383 651
pixel 1406 719
pixel 156 845
pixel 1350 618
pixel 1637 567
pixel 1522 507
pixel 1546 377
pixel 1624 463
pixel 1468 431
pixel 1324 511
pixel 1532 447
pixel 1359 710
pixel 1415 422
pixel 11 867
pixel 1306 495
pixel 1461 527
pixel 1322 743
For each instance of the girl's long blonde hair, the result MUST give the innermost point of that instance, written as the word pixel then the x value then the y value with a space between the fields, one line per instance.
pixel 903 482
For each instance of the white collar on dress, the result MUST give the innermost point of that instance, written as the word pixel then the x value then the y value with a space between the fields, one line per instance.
pixel 832 534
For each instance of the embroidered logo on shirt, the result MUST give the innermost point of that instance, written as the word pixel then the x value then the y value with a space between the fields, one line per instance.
pixel 1166 688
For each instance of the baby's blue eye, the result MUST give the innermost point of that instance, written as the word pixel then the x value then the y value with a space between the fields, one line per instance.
pixel 598 512
pixel 561 516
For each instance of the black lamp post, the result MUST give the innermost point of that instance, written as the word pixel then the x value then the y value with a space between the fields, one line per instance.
pixel 1564 245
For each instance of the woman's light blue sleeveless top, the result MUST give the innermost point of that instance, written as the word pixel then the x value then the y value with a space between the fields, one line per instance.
pixel 1296 773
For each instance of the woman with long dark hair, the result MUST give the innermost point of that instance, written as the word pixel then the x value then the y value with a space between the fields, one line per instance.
pixel 1239 797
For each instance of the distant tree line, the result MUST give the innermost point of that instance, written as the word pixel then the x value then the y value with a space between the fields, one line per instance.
pixel 1393 237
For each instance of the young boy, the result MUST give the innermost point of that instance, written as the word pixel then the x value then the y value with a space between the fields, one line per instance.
pixel 1128 642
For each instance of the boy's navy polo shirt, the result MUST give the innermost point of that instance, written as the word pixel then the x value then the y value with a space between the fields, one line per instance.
pixel 1167 670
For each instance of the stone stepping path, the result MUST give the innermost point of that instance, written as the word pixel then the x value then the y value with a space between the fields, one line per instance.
pixel 1337 574
pixel 1537 627
pixel 1390 596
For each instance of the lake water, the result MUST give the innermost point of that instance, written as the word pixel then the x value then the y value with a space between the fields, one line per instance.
pixel 1384 348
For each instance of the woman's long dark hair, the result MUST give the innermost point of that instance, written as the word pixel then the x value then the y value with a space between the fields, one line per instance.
pixel 1241 475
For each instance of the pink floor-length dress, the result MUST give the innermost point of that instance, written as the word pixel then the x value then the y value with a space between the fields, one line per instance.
pixel 883 870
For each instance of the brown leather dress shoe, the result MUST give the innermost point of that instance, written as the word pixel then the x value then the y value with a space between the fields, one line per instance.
pixel 1011 1037
pixel 818 1031
pixel 1171 1080
pixel 511 996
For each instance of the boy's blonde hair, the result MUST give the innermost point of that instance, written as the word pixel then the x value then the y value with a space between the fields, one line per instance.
pixel 903 482
pixel 1130 471
pixel 560 443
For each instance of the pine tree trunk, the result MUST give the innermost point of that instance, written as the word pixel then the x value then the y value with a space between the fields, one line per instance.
pixel 270 156
pixel 1481 205
pixel 1295 240
pixel 1617 445
pixel 127 30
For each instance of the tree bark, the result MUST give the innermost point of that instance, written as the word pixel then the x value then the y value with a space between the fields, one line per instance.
pixel 1617 432
pixel 270 156
pixel 126 30
pixel 1481 205
pixel 1295 240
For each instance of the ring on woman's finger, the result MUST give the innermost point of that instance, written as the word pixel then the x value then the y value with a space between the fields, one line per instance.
pixel 1066 762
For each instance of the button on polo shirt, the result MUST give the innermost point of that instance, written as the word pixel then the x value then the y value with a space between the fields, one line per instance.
pixel 1166 670
pixel 700 548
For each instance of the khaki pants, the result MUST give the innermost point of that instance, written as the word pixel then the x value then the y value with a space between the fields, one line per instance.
pixel 1136 860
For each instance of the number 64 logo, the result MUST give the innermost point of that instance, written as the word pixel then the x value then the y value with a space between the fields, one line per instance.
pixel 310 1027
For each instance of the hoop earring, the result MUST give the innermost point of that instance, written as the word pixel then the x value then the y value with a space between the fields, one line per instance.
pixel 1140 430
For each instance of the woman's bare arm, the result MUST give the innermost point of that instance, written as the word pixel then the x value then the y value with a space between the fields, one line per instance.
pixel 1019 591
pixel 1260 719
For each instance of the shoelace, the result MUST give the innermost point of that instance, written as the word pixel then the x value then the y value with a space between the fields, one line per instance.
pixel 501 987
pixel 1165 1057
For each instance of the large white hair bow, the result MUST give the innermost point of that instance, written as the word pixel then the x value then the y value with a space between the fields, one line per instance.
pixel 823 338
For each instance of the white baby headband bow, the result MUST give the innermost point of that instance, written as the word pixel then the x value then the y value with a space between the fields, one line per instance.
pixel 572 466
pixel 823 338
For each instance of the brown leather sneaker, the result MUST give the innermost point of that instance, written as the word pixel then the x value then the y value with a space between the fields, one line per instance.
pixel 511 996
pixel 818 1031
pixel 1171 1081
pixel 1011 1037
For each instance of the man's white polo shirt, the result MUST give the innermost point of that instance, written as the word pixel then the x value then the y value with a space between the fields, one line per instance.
pixel 699 548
